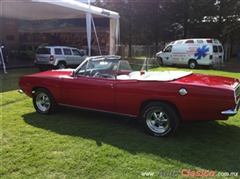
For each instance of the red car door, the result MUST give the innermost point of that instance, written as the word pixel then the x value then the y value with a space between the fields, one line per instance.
pixel 89 92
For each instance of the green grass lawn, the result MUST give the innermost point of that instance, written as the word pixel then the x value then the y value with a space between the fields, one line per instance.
pixel 81 144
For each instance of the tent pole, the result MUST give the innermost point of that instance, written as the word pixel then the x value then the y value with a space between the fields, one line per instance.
pixel 88 24
pixel 4 66
pixel 112 37
pixel 96 36
pixel 117 35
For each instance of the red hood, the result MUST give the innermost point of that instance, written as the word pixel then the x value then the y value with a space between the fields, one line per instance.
pixel 210 80
pixel 54 73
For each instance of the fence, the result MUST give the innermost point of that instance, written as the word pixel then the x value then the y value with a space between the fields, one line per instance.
pixel 138 50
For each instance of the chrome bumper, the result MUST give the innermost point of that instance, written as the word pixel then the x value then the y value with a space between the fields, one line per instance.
pixel 232 112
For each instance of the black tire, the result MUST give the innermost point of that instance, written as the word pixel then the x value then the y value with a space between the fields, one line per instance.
pixel 44 102
pixel 161 61
pixel 192 64
pixel 160 119
pixel 61 65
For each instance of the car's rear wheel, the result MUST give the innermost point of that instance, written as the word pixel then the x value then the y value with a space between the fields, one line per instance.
pixel 193 64
pixel 61 65
pixel 44 102
pixel 160 119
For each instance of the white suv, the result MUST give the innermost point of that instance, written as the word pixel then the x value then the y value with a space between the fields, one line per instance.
pixel 60 57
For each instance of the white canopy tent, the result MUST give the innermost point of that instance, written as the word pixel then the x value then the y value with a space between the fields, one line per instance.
pixel 62 9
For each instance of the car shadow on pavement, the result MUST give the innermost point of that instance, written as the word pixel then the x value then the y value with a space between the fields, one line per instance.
pixel 193 143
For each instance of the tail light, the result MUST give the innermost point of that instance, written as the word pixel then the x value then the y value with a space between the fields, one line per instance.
pixel 189 41
pixel 210 57
pixel 51 58
pixel 209 41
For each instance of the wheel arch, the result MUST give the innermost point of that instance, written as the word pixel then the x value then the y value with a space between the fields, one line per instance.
pixel 35 88
pixel 62 61
pixel 145 103
pixel 59 60
pixel 56 95
pixel 192 59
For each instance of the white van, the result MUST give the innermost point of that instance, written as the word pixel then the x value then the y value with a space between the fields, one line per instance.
pixel 192 52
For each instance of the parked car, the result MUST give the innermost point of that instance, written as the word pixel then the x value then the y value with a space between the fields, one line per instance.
pixel 49 57
pixel 160 100
pixel 193 53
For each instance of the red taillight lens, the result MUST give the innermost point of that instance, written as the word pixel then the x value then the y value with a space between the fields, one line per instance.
pixel 189 41
pixel 51 58
pixel 210 57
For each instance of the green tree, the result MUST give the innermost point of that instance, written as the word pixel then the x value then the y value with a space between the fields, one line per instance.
pixel 124 8
pixel 152 21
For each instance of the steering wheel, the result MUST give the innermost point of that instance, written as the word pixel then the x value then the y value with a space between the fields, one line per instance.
pixel 95 74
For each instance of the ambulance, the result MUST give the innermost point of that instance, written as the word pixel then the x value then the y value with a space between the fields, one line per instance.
pixel 192 52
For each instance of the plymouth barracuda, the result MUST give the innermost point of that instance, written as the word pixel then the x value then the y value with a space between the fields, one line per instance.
pixel 159 100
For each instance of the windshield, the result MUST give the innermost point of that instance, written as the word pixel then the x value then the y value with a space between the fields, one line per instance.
pixel 107 68
pixel 168 49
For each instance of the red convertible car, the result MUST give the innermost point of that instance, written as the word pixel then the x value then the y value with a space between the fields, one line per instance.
pixel 160 100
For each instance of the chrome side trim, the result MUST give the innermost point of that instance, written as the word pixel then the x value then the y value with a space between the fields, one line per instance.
pixel 103 111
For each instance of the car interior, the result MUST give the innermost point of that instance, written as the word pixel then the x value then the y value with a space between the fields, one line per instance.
pixel 104 68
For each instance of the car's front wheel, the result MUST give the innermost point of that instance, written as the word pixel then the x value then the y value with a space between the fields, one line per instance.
pixel 44 102
pixel 159 61
pixel 160 119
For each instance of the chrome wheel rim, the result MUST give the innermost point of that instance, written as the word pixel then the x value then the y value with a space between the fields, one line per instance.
pixel 61 66
pixel 158 121
pixel 192 65
pixel 43 102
